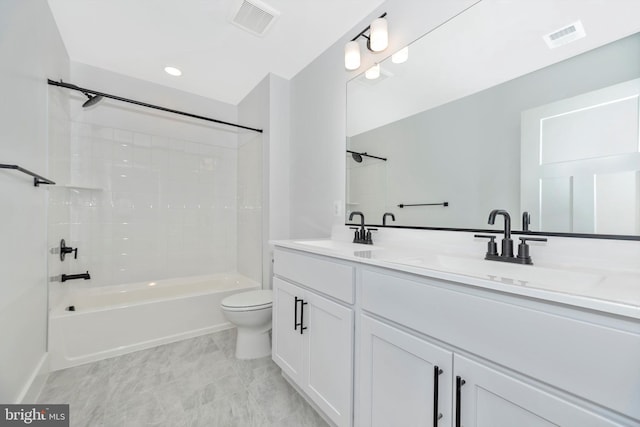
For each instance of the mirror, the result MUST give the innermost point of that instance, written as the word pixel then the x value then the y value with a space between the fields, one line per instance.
pixel 485 115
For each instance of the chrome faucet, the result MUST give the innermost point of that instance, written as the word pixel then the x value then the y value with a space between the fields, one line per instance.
pixel 523 256
pixel 361 235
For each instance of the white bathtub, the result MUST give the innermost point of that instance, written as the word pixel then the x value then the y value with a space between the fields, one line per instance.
pixel 115 320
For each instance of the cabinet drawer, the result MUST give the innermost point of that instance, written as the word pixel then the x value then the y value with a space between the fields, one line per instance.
pixel 595 362
pixel 328 277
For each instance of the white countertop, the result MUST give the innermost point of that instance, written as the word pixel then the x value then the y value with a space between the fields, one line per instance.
pixel 609 291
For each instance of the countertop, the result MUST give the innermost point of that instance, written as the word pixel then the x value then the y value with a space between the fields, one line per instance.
pixel 608 291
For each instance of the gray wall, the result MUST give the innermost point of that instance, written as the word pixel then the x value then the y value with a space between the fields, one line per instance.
pixel 32 51
pixel 318 111
pixel 468 151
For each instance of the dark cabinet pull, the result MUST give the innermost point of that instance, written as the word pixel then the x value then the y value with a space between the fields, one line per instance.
pixel 436 415
pixel 302 327
pixel 459 383
pixel 295 314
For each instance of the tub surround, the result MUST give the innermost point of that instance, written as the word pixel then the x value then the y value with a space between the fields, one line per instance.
pixel 557 341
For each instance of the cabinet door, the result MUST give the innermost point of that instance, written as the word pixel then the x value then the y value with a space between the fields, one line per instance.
pixel 489 398
pixel 397 380
pixel 287 341
pixel 329 357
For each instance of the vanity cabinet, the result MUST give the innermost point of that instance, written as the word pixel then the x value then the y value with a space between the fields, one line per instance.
pixel 485 397
pixel 313 333
pixel 404 380
pixel 408 381
pixel 442 320
pixel 425 351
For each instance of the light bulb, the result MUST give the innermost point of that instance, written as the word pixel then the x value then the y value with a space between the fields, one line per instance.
pixel 373 72
pixel 173 71
pixel 352 55
pixel 379 36
pixel 400 56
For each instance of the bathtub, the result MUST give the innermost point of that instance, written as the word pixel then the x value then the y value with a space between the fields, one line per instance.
pixel 114 320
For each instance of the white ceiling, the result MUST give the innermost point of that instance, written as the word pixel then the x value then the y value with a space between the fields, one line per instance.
pixel 138 38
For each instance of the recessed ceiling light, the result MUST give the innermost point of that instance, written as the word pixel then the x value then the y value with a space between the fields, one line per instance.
pixel 173 71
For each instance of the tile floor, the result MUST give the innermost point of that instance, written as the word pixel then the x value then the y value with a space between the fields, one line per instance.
pixel 196 382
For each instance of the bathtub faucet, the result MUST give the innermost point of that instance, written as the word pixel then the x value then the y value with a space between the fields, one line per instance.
pixel 66 277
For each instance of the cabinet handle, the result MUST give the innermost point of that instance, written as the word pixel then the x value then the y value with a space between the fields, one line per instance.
pixel 459 383
pixel 302 327
pixel 436 415
pixel 295 315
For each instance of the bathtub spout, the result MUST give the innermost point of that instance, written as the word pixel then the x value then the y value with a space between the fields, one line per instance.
pixel 66 277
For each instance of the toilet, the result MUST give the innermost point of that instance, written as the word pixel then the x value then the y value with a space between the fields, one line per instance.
pixel 251 313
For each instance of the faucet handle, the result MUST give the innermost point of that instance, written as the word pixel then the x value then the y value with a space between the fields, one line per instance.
pixel 492 246
pixel 533 239
pixel 523 248
pixel 356 234
pixel 367 237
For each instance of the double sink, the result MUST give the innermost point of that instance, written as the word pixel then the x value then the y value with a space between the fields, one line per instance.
pixel 592 284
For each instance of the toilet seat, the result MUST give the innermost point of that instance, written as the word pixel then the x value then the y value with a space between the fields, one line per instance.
pixel 248 301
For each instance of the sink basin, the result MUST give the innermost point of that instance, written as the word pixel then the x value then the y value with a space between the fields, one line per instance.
pixel 555 279
pixel 339 246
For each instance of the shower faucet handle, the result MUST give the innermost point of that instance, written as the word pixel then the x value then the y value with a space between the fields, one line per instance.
pixel 64 250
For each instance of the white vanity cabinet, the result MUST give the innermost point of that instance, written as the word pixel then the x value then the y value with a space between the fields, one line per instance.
pixel 485 397
pixel 527 345
pixel 373 345
pixel 313 329
pixel 403 380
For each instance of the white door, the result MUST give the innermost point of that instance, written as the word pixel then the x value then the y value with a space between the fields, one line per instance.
pixel 287 349
pixel 580 162
pixel 489 398
pixel 329 357
pixel 398 384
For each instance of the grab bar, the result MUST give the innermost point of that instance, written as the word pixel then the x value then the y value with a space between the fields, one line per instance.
pixel 37 179
pixel 403 205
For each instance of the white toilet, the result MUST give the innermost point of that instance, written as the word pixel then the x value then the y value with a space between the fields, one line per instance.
pixel 251 313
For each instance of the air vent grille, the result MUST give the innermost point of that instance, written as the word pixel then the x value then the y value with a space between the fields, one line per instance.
pixel 254 16
pixel 565 35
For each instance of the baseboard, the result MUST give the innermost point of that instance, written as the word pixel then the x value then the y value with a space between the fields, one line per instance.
pixel 36 381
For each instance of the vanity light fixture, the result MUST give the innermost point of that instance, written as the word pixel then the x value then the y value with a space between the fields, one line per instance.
pixel 352 55
pixel 173 71
pixel 400 56
pixel 379 36
pixel 377 41
pixel 373 72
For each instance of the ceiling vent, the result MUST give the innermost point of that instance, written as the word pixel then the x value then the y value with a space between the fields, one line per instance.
pixel 254 16
pixel 565 35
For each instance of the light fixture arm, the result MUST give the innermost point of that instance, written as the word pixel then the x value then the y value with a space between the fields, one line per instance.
pixel 362 33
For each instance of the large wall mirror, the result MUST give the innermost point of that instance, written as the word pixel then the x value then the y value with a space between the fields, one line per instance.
pixel 518 105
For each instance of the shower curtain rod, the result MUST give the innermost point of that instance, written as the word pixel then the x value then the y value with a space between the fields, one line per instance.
pixel 144 104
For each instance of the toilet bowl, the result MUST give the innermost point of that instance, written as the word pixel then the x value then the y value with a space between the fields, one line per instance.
pixel 251 313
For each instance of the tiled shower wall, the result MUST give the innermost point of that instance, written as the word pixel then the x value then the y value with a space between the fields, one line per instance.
pixel 143 207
